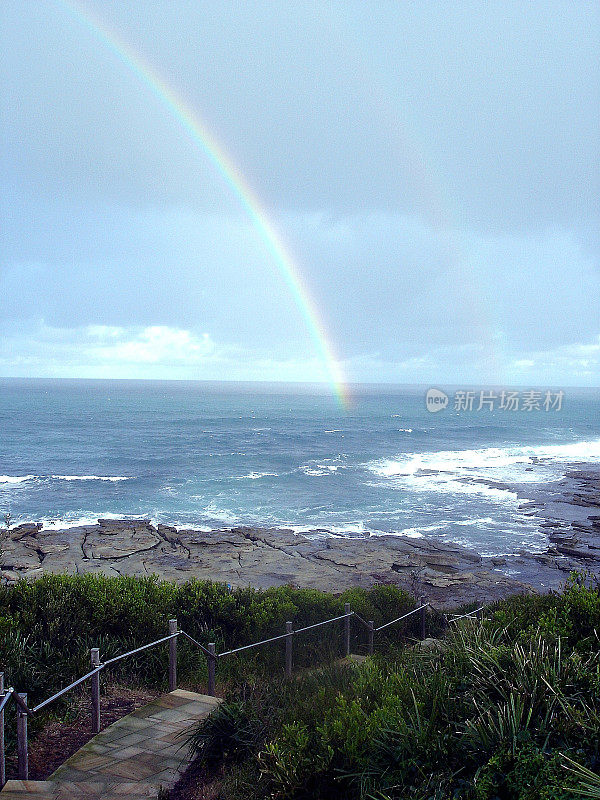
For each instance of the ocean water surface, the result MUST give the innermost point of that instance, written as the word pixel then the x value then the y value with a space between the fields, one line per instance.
pixel 214 455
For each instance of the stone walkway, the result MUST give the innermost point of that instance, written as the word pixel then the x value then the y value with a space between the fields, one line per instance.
pixel 132 758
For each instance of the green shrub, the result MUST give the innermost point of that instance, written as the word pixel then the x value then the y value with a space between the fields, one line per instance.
pixel 573 614
pixel 48 626
pixel 485 718
pixel 232 732
pixel 526 774
pixel 296 763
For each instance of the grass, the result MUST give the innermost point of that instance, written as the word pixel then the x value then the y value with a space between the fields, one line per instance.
pixel 504 711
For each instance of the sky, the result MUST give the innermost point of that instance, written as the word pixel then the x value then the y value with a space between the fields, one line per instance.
pixel 431 168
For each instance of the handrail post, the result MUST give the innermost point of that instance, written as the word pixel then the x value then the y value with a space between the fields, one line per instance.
pixel 288 650
pixel 423 619
pixel 370 632
pixel 212 662
pixel 172 656
pixel 2 755
pixel 347 630
pixel 22 754
pixel 95 662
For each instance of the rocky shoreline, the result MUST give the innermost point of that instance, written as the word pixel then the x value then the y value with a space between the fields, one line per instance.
pixel 446 574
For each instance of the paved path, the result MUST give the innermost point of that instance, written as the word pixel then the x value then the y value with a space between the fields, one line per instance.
pixel 132 758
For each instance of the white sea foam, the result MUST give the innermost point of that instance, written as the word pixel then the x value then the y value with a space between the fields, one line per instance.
pixel 481 471
pixel 347 529
pixel 416 533
pixel 254 476
pixel 317 471
pixel 111 478
pixel 201 528
pixel 15 479
pixel 488 457
pixel 326 467
pixel 360 529
pixel 72 521
pixel 225 515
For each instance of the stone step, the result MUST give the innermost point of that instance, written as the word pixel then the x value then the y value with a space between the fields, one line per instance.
pixel 132 758
pixel 50 790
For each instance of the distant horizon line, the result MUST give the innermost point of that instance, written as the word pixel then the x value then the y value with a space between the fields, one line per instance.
pixel 324 385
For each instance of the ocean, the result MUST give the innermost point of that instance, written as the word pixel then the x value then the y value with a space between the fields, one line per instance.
pixel 210 455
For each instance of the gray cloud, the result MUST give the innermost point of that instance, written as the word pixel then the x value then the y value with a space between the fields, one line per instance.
pixel 434 168
pixel 489 109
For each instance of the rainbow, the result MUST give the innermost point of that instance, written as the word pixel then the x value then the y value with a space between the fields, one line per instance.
pixel 232 176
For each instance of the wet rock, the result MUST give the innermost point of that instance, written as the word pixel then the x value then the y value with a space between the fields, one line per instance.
pixel 567 550
pixel 447 574
pixel 245 556
pixel 25 529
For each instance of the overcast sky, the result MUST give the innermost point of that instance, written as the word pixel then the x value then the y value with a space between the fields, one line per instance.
pixel 432 167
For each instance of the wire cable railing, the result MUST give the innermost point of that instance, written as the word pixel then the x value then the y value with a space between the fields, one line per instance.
pixel 250 646
pixel 404 616
pixel 24 710
pixel 476 611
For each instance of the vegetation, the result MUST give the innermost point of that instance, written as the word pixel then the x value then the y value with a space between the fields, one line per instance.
pixel 506 710
pixel 48 626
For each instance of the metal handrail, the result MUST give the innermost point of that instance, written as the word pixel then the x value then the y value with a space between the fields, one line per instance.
pixel 326 622
pixel 138 650
pixel 68 688
pixel 284 635
pixel 254 644
pixel 7 695
pixel 360 619
pixel 197 643
pixel 22 704
pixel 11 693
pixel 97 669
pixel 404 616
pixel 212 657
pixel 468 614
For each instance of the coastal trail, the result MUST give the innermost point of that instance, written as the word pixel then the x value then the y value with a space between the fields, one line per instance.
pixel 132 758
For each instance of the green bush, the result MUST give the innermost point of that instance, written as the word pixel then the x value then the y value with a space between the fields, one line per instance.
pixel 48 626
pixel 232 732
pixel 525 774
pixel 487 717
pixel 296 763
pixel 573 614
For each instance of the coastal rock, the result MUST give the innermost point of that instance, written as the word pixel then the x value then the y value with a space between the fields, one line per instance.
pixel 262 558
pixel 567 550
pixel 25 529
pixel 446 574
